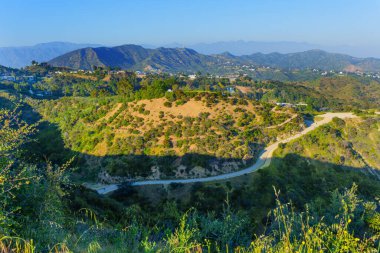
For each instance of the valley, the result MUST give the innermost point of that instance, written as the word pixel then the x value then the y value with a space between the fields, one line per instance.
pixel 138 155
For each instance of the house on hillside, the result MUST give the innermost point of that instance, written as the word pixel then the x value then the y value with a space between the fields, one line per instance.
pixel 29 78
pixel 285 104
pixel 230 89
pixel 8 78
pixel 290 104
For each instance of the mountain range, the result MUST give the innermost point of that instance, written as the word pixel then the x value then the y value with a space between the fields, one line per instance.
pixel 241 47
pixel 136 57
pixel 201 57
pixel 18 57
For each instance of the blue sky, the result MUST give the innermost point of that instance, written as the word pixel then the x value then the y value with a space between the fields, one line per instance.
pixel 114 22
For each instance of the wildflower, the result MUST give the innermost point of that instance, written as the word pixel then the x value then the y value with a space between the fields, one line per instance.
pixel 349 220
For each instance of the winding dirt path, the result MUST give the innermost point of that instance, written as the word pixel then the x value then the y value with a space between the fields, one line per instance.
pixel 283 123
pixel 263 161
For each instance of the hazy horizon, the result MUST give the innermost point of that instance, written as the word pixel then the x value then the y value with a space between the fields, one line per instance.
pixel 235 47
pixel 341 23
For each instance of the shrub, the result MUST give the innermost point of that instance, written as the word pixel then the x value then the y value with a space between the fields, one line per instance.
pixel 167 104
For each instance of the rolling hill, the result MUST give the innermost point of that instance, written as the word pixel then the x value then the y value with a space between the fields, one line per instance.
pixel 351 90
pixel 197 135
pixel 183 59
pixel 314 59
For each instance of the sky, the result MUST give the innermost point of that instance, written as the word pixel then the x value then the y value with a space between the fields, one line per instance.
pixel 116 22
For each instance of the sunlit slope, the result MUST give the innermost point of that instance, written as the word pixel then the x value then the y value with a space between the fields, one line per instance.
pixel 203 131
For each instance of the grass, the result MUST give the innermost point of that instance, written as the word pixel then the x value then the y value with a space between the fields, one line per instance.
pixel 288 231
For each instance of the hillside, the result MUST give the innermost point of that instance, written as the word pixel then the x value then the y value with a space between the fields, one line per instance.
pixel 18 57
pixel 188 60
pixel 314 195
pixel 195 136
pixel 317 59
pixel 352 90
pixel 338 92
pixel 348 144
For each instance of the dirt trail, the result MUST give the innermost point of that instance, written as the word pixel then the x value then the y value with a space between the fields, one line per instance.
pixel 111 113
pixel 283 123
pixel 263 161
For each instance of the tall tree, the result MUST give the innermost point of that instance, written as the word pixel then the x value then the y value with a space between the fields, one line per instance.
pixel 124 87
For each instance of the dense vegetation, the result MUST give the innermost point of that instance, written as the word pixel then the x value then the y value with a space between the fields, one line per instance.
pixel 334 91
pixel 43 211
pixel 314 59
pixel 320 194
pixel 362 92
pixel 347 143
pixel 191 134
pixel 339 92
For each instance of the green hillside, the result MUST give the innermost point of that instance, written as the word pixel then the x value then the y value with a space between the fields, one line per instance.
pixel 197 134
pixel 350 143
pixel 355 90
pixel 318 194
pixel 314 59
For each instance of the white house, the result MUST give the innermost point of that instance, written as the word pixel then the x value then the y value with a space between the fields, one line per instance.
pixel 8 78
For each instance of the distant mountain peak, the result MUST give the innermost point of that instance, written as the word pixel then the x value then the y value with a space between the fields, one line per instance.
pixel 135 57
pixel 228 54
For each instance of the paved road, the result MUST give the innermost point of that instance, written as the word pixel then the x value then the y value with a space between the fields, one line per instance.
pixel 263 161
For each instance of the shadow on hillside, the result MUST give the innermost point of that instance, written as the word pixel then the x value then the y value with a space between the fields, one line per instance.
pixel 307 174
pixel 48 145
pixel 299 179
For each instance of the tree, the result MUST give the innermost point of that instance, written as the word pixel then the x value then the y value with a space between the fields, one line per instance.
pixel 124 87
pixel 168 143
pixel 13 134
